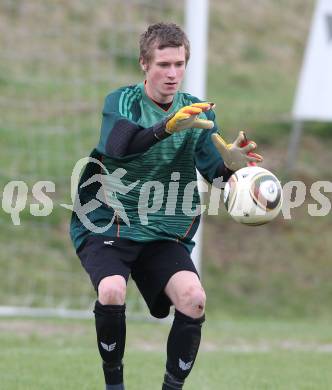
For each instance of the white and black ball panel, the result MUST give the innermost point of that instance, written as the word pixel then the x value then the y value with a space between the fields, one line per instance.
pixel 265 191
pixel 253 196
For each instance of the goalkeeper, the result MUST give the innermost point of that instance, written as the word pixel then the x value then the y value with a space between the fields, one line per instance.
pixel 154 133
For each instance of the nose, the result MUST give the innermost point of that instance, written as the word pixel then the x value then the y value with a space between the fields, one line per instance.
pixel 171 72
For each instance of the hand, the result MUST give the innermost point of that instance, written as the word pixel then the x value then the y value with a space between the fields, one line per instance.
pixel 238 154
pixel 187 117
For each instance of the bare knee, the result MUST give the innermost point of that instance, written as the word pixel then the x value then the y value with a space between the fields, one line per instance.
pixel 192 301
pixel 112 290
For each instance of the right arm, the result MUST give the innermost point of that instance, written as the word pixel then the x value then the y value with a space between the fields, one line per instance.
pixel 120 136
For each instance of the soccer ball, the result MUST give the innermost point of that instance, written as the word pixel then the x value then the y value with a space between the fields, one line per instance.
pixel 253 196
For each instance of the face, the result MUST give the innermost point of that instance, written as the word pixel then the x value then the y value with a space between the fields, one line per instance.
pixel 165 73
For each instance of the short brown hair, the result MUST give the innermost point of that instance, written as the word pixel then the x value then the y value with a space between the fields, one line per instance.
pixel 160 36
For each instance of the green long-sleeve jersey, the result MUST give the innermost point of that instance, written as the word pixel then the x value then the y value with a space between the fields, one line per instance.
pixel 154 193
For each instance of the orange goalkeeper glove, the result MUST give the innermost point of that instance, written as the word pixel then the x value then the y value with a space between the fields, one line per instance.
pixel 238 154
pixel 187 117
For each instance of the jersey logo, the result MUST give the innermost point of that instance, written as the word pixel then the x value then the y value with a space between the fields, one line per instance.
pixel 108 242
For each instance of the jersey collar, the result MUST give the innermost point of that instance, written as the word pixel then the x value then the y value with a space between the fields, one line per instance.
pixel 155 106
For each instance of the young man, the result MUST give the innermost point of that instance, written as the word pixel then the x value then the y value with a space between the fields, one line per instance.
pixel 151 133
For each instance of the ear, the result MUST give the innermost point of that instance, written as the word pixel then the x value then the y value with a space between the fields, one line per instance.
pixel 143 65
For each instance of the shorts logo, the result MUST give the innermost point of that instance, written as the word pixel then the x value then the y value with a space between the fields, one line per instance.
pixel 108 348
pixel 108 242
pixel 185 366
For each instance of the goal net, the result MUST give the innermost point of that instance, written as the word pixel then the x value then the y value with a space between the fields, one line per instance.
pixel 58 62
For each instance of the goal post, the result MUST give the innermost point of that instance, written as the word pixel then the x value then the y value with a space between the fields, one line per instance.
pixel 196 25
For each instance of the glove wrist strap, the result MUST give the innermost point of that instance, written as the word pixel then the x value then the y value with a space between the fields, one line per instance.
pixel 159 130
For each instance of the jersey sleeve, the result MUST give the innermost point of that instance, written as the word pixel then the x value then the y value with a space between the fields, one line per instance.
pixel 207 158
pixel 120 135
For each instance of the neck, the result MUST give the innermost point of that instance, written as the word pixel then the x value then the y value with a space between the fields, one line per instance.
pixel 166 99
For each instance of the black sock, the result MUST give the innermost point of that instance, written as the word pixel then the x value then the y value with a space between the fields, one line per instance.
pixel 182 347
pixel 172 383
pixel 111 337
pixel 115 387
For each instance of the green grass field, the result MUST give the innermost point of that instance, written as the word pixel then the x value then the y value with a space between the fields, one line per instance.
pixel 235 355
pixel 67 57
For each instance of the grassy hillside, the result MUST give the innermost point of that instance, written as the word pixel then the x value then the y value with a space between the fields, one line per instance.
pixel 256 50
pixel 59 60
pixel 283 268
